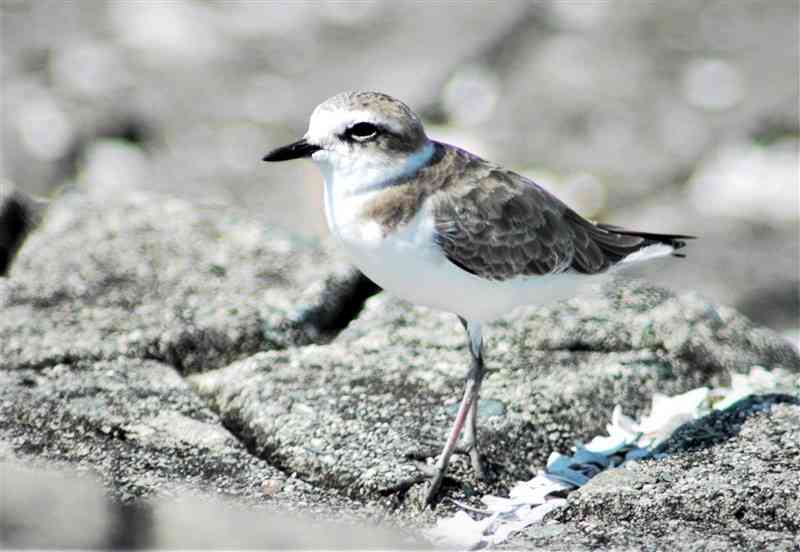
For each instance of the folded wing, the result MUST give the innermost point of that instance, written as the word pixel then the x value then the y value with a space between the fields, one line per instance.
pixel 499 225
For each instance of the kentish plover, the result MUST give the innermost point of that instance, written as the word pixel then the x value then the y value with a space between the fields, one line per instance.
pixel 441 227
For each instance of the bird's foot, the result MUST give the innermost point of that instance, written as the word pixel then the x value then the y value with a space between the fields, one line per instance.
pixel 435 474
pixel 435 478
pixel 430 450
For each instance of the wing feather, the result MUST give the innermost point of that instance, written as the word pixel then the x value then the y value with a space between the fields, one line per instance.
pixel 498 224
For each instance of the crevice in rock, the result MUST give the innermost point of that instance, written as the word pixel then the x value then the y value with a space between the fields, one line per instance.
pixel 270 456
pixel 399 492
pixel 249 443
pixel 206 349
pixel 20 214
pixel 720 425
pixel 328 312
pixel 331 309
pixel 14 225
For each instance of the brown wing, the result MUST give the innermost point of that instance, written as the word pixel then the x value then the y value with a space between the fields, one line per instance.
pixel 497 224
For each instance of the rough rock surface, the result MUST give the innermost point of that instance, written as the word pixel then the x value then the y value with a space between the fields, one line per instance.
pixel 146 276
pixel 728 482
pixel 135 422
pixel 349 412
pixel 127 336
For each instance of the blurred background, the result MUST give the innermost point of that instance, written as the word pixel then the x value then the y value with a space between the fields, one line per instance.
pixel 662 116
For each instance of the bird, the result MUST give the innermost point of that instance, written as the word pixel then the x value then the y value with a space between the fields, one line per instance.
pixel 441 227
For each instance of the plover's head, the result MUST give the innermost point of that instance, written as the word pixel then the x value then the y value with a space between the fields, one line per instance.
pixel 360 132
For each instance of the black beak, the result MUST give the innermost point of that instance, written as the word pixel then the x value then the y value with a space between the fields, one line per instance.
pixel 297 150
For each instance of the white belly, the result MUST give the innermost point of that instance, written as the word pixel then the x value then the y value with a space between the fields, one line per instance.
pixel 409 264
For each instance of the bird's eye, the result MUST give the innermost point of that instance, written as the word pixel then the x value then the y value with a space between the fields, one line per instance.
pixel 362 131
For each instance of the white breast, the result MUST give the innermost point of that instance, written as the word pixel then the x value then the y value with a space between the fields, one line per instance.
pixel 409 264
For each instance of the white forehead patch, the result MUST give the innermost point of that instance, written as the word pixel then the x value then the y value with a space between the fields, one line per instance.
pixel 327 123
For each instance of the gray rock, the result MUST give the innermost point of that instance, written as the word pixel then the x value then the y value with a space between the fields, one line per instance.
pixel 146 276
pixel 349 415
pixel 138 425
pixel 126 349
pixel 729 482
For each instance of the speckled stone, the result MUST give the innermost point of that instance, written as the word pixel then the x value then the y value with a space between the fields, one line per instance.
pixel 736 489
pixel 145 276
pixel 357 414
pixel 146 340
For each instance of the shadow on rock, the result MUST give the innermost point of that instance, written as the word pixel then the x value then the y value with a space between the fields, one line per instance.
pixel 19 215
pixel 721 425
pixel 728 482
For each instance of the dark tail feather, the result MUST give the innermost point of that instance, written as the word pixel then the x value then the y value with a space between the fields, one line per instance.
pixel 616 243
pixel 677 241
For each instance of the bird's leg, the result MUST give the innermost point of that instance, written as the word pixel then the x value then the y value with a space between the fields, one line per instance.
pixel 470 445
pixel 468 402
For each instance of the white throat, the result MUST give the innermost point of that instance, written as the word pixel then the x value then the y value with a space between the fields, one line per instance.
pixel 352 181
pixel 347 174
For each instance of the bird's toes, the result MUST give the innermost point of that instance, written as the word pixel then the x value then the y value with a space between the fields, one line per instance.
pixel 423 451
pixel 431 450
